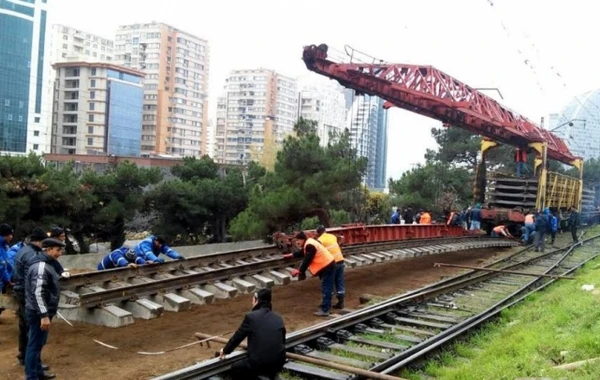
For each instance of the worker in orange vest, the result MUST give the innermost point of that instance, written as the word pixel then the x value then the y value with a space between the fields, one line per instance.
pixel 330 242
pixel 319 262
pixel 425 217
pixel 501 230
pixel 520 160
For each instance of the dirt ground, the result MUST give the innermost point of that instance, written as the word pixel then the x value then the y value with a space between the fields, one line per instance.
pixel 72 354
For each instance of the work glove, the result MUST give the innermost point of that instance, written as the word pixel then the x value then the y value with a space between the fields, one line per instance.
pixel 65 274
pixel 295 272
pixel 288 256
pixel 181 258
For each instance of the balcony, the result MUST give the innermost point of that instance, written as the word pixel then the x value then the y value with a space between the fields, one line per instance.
pixel 72 83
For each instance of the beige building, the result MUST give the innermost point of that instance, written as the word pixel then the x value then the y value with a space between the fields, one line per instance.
pixel 97 109
pixel 176 65
pixel 257 105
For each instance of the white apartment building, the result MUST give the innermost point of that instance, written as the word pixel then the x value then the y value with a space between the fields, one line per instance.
pixel 324 103
pixel 176 65
pixel 256 104
pixel 70 44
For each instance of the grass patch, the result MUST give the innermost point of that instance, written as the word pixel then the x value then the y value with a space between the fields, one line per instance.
pixel 527 340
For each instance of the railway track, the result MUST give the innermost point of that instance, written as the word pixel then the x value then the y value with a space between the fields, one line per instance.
pixel 388 336
pixel 116 297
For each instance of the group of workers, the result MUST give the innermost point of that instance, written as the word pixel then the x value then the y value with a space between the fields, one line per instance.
pixel 32 269
pixel 146 251
pixel 408 217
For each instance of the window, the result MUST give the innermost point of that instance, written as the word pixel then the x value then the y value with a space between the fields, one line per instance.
pixel 36 133
pixel 36 146
pixel 92 94
pixel 65 46
pixel 91 118
pixel 92 106
pixel 65 37
pixel 20 118
pixel 91 129
pixel 94 71
pixel 20 104
pixel 90 141
pixel 37 120
pixel 9 116
pixel 93 83
pixel 7 102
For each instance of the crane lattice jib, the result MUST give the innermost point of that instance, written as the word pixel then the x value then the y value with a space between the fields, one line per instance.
pixel 433 93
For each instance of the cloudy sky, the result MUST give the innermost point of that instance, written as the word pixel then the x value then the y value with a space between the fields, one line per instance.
pixel 538 53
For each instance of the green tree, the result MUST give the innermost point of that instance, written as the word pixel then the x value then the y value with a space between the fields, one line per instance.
pixel 118 196
pixel 201 201
pixel 308 180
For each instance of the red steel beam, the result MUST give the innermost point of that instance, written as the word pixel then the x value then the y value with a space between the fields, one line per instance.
pixel 433 93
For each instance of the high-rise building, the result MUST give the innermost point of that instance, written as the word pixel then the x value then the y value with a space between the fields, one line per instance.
pixel 368 130
pixel 70 44
pixel 23 72
pixel 579 125
pixel 258 105
pixel 176 65
pixel 97 109
pixel 324 103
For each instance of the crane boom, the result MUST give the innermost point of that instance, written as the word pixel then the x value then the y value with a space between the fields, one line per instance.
pixel 433 93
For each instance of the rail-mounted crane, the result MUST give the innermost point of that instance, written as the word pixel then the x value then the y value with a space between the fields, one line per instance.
pixel 430 92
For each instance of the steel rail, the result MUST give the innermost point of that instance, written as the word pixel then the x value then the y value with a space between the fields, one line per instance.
pixel 412 354
pixel 229 257
pixel 215 366
pixel 131 291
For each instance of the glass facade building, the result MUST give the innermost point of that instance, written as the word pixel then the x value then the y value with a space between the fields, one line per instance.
pixel 22 42
pixel 124 128
pixel 578 125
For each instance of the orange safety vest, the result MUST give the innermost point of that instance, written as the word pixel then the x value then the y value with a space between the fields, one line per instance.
pixel 529 219
pixel 425 218
pixel 520 155
pixel 450 218
pixel 498 229
pixel 322 257
pixel 330 242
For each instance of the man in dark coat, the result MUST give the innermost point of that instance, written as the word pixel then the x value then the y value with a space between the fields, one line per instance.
pixel 266 340
pixel 42 292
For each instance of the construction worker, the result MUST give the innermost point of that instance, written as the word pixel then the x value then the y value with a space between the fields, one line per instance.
pixel 120 258
pixel 425 217
pixel 475 218
pixel 265 331
pixel 23 260
pixel 330 242
pixel 542 225
pixel 573 222
pixel 520 161
pixel 395 219
pixel 501 230
pixel 529 226
pixel 553 227
pixel 41 303
pixel 319 262
pixel 152 246
pixel 6 235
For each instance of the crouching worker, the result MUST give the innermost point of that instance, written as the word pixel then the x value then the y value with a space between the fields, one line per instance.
pixel 152 246
pixel 500 231
pixel 266 341
pixel 119 258
pixel 319 261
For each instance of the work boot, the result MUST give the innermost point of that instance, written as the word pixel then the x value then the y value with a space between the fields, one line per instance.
pixel 47 376
pixel 45 367
pixel 322 313
pixel 340 303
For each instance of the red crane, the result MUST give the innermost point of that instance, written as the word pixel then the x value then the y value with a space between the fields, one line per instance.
pixel 433 93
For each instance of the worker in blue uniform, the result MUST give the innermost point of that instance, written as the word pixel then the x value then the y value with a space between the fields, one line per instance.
pixel 152 246
pixel 6 234
pixel 120 258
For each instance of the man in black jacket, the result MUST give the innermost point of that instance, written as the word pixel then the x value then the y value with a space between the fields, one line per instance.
pixel 266 340
pixel 22 261
pixel 42 292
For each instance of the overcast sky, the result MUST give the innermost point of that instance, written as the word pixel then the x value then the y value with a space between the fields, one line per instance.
pixel 464 38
